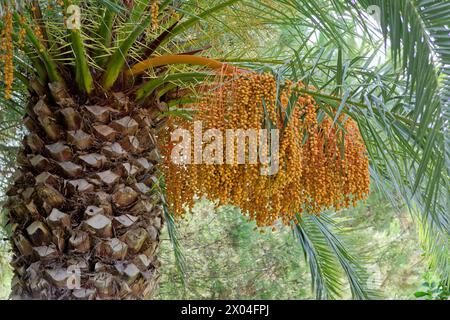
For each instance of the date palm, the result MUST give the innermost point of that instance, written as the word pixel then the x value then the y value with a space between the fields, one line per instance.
pixel 86 196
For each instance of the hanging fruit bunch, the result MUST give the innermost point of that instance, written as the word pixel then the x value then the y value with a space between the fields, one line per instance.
pixel 320 165
pixel 7 52
pixel 154 14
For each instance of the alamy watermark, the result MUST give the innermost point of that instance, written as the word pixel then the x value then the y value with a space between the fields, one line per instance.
pixel 373 11
pixel 73 21
pixel 251 146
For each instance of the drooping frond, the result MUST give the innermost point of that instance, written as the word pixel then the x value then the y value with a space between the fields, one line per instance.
pixel 329 258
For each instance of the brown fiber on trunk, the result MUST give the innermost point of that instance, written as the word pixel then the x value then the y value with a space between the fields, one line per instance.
pixel 85 220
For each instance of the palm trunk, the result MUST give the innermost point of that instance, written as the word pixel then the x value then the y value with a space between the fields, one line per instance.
pixel 85 218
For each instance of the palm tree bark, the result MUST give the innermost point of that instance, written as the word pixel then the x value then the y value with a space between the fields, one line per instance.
pixel 85 218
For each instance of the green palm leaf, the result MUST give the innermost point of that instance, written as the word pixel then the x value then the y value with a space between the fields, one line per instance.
pixel 328 258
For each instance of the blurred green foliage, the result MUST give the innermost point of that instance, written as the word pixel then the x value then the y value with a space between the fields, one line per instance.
pixel 432 289
pixel 227 258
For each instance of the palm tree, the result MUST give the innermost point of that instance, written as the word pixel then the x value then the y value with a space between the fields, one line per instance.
pixel 88 194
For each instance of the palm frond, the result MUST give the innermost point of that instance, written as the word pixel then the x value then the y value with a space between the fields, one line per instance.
pixel 325 273
pixel 329 258
pixel 117 60
pixel 173 234
pixel 49 62
pixel 418 34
